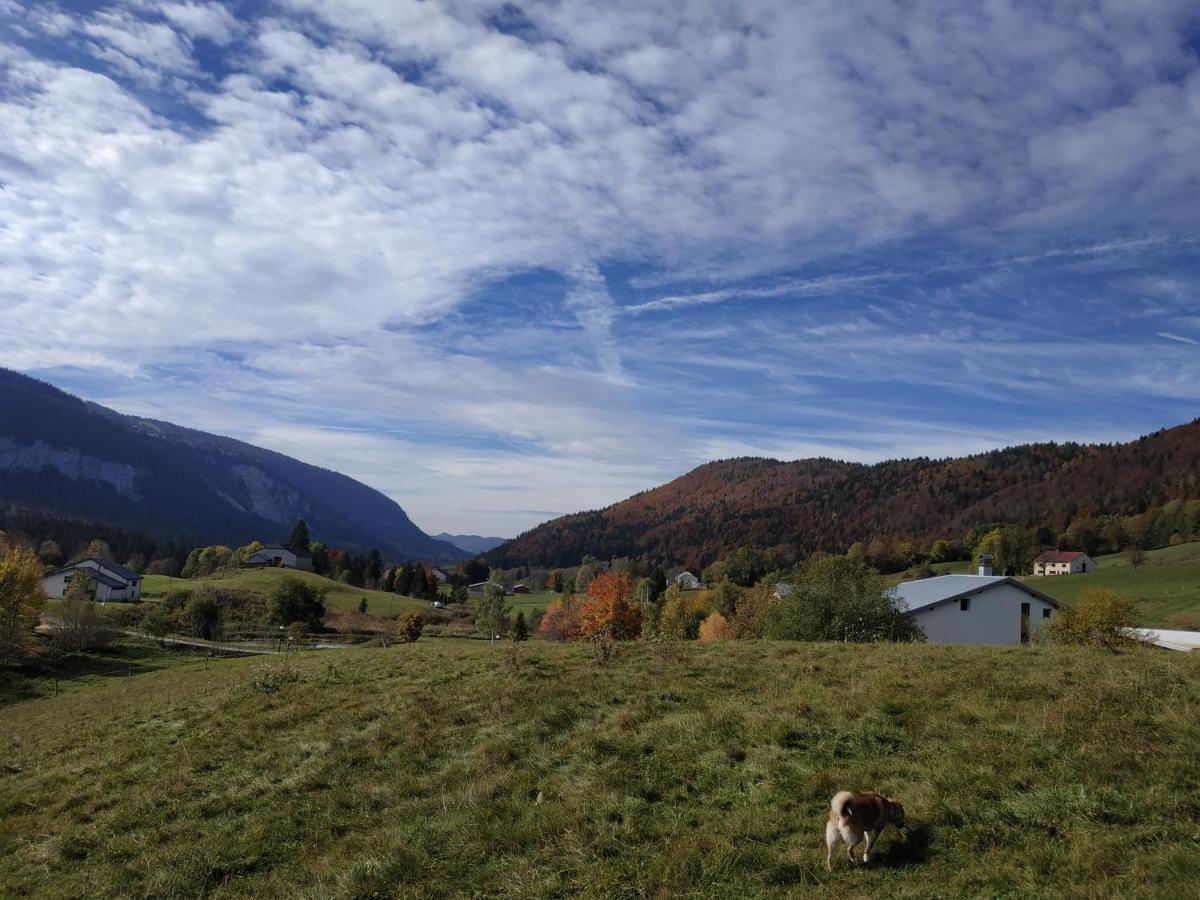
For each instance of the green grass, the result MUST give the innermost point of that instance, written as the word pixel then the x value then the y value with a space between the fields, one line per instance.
pixel 50 674
pixel 1167 583
pixel 528 603
pixel 338 596
pixel 446 769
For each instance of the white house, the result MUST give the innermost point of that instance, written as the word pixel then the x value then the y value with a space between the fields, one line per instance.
pixel 109 580
pixel 976 609
pixel 687 581
pixel 1059 562
pixel 280 556
pixel 440 575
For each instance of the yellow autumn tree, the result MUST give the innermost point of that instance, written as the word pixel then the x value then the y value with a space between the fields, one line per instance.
pixel 713 628
pixel 21 599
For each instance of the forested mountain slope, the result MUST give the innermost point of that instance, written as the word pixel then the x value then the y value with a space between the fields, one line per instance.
pixel 824 504
pixel 62 455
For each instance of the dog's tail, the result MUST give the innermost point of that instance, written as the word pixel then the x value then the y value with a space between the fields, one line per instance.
pixel 840 805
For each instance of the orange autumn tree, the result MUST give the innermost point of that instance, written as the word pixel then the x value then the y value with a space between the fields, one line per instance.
pixel 561 620
pixel 611 611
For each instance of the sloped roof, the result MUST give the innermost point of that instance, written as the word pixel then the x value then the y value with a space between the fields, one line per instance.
pixel 111 565
pixel 929 592
pixel 1167 639
pixel 1059 556
pixel 299 554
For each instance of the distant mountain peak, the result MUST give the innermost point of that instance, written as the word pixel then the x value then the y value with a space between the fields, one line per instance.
pixel 63 455
pixel 471 543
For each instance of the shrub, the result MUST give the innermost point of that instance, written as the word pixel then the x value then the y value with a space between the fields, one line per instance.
pixel 560 622
pixel 1101 618
pixel 610 610
pixel 682 613
pixel 408 628
pixel 520 631
pixel 79 626
pixel 202 615
pixel 295 601
pixel 748 616
pixel 21 599
pixel 714 628
pixel 838 599
pixel 1184 621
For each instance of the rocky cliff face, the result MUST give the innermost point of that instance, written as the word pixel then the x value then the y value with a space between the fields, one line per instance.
pixel 62 455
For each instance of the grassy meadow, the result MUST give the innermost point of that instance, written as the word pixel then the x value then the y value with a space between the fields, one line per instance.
pixel 451 768
pixel 338 596
pixel 1168 582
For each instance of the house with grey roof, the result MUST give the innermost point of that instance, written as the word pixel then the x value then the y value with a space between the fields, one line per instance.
pixel 280 556
pixel 688 582
pixel 107 580
pixel 976 609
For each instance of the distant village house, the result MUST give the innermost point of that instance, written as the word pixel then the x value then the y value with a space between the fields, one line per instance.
pixel 1058 562
pixel 109 580
pixel 280 556
pixel 688 582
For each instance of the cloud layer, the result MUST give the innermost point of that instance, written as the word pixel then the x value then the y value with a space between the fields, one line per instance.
pixel 502 262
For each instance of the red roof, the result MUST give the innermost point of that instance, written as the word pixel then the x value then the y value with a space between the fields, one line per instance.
pixel 1059 556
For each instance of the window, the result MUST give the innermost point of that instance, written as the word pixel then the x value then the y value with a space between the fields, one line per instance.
pixel 964 604
pixel 1046 613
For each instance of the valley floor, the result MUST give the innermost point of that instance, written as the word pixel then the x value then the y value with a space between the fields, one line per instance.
pixel 451 768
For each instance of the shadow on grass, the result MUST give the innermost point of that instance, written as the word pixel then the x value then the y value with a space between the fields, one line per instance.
pixel 38 677
pixel 914 849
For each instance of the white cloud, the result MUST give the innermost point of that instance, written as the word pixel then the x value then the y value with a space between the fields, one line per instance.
pixel 334 206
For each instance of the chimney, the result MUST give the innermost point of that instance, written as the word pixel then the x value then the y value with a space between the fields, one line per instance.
pixel 985 564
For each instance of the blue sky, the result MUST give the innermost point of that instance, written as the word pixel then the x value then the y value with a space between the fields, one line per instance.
pixel 504 263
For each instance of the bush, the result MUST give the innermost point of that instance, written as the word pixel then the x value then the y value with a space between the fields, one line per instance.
pixel 610 611
pixel 714 628
pixel 202 615
pixel 838 599
pixel 682 613
pixel 1101 618
pixel 21 599
pixel 748 616
pixel 408 628
pixel 561 621
pixel 295 601
pixel 79 627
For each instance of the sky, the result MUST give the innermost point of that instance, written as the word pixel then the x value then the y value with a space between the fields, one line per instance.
pixel 507 261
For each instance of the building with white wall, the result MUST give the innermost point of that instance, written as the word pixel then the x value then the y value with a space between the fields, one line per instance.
pixel 976 609
pixel 1060 562
pixel 108 580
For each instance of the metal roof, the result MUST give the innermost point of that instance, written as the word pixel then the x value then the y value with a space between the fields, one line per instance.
pixel 929 592
pixel 109 564
pixel 1059 556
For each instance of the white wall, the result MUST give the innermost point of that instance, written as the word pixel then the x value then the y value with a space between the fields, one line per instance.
pixel 994 617
pixel 55 585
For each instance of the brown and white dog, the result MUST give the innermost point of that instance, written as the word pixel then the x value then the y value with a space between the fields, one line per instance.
pixel 855 816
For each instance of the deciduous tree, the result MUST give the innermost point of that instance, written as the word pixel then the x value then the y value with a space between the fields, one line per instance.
pixel 610 611
pixel 21 599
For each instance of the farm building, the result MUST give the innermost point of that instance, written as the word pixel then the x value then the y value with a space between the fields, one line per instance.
pixel 280 556
pixel 687 581
pixel 480 586
pixel 520 589
pixel 1059 562
pixel 440 575
pixel 976 609
pixel 110 581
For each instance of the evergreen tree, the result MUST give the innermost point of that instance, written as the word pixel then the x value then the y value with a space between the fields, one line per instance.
pixel 389 580
pixel 299 539
pixel 404 580
pixel 520 630
pixel 374 568
pixel 362 605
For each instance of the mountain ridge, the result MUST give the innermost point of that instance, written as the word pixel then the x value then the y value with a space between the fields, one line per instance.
pixel 470 543
pixel 826 504
pixel 69 456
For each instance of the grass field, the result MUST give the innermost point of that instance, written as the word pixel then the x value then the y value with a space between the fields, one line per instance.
pixel 1167 583
pixel 338 596
pixel 448 768
pixel 527 603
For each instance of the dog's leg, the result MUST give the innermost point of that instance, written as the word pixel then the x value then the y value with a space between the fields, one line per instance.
pixel 852 840
pixel 832 838
pixel 871 836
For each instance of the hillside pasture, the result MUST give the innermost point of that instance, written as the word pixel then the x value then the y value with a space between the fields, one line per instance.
pixel 1168 582
pixel 338 596
pixel 453 768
